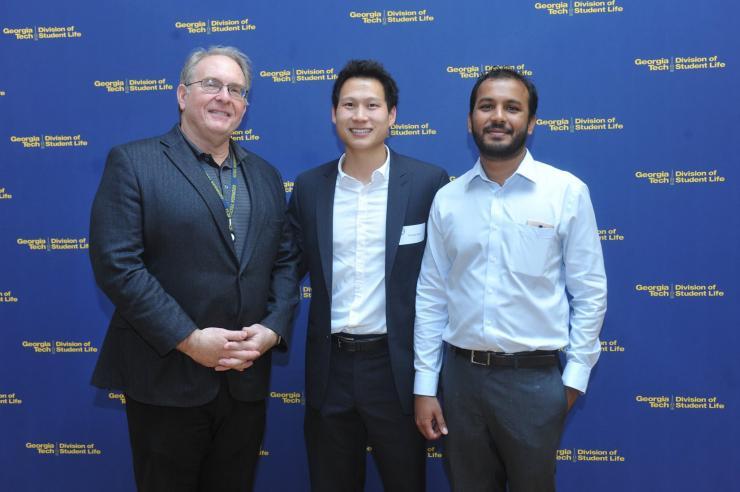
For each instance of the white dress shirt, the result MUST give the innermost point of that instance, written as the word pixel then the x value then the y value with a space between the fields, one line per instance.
pixel 497 265
pixel 358 260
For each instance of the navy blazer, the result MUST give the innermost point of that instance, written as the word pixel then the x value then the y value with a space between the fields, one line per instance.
pixel 161 251
pixel 412 185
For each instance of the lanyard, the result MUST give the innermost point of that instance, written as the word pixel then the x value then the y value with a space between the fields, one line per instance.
pixel 231 203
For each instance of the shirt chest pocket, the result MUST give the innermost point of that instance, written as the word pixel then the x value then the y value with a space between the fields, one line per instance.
pixel 529 249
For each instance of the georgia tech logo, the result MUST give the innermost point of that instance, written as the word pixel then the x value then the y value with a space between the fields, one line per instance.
pixel 67 448
pixel 675 291
pixel 134 85
pixel 43 32
pixel 681 402
pixel 385 17
pixel 49 141
pixel 54 243
pixel 679 63
pixel 580 7
pixel 681 177
pixel 581 124
pixel 288 398
pixel 475 71
pixel 60 347
pixel 590 455
pixel 216 26
pixel 294 75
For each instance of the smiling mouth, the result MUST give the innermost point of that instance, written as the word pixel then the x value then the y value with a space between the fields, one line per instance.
pixel 360 131
pixel 496 131
pixel 219 113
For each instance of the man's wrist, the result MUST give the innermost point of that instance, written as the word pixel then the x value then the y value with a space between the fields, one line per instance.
pixel 186 343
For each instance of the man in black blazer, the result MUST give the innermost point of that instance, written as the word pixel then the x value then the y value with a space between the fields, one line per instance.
pixel 359 223
pixel 188 240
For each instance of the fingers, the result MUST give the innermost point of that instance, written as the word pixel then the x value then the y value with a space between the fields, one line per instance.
pixel 238 367
pixel 426 428
pixel 234 358
pixel 242 355
pixel 235 335
pixel 241 345
pixel 429 418
pixel 440 425
pixel 571 395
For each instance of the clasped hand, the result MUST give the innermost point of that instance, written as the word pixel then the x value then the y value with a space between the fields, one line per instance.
pixel 228 349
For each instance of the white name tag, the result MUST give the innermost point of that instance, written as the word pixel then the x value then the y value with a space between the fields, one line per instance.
pixel 412 234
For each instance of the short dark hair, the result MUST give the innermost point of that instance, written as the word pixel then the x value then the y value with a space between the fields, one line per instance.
pixel 506 73
pixel 366 69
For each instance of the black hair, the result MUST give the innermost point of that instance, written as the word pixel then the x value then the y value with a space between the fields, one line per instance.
pixel 506 73
pixel 366 69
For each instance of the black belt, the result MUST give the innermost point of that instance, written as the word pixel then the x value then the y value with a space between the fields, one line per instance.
pixel 348 343
pixel 536 358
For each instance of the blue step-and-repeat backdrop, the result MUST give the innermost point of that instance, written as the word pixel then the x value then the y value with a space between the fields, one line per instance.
pixel 639 99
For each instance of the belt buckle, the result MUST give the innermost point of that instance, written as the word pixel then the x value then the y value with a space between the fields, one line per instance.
pixel 473 361
pixel 344 343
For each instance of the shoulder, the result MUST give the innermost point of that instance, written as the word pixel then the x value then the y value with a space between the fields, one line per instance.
pixel 554 177
pixel 306 178
pixel 417 166
pixel 456 188
pixel 144 149
pixel 258 164
pixel 144 145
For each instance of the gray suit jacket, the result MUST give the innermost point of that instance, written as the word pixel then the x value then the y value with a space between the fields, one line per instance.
pixel 161 251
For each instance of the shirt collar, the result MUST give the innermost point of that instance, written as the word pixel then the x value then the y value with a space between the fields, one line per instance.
pixel 208 158
pixel 526 169
pixel 381 172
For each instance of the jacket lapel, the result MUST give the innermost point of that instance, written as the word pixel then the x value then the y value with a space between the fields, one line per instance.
pixel 178 152
pixel 257 211
pixel 325 222
pixel 398 197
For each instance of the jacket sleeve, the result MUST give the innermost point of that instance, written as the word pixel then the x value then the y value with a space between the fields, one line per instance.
pixel 117 256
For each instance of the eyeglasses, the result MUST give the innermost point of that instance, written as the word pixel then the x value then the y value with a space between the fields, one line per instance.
pixel 214 86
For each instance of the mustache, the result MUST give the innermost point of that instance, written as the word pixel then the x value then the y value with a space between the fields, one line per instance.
pixel 497 126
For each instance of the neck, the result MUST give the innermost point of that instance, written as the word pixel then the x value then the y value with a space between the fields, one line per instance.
pixel 218 148
pixel 360 165
pixel 499 170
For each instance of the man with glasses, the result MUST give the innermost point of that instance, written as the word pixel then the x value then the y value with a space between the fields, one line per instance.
pixel 188 241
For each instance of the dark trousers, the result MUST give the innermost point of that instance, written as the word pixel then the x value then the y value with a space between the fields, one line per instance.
pixel 213 447
pixel 362 409
pixel 504 424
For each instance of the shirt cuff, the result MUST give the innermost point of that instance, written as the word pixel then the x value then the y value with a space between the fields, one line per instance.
pixel 425 384
pixel 576 376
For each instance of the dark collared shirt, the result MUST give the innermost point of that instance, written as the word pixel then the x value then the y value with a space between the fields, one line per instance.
pixel 221 176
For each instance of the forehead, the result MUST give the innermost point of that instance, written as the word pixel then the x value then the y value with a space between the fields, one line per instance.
pixel 362 87
pixel 503 90
pixel 220 67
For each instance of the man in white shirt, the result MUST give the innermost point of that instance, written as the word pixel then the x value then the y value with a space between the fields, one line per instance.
pixel 508 243
pixel 359 223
